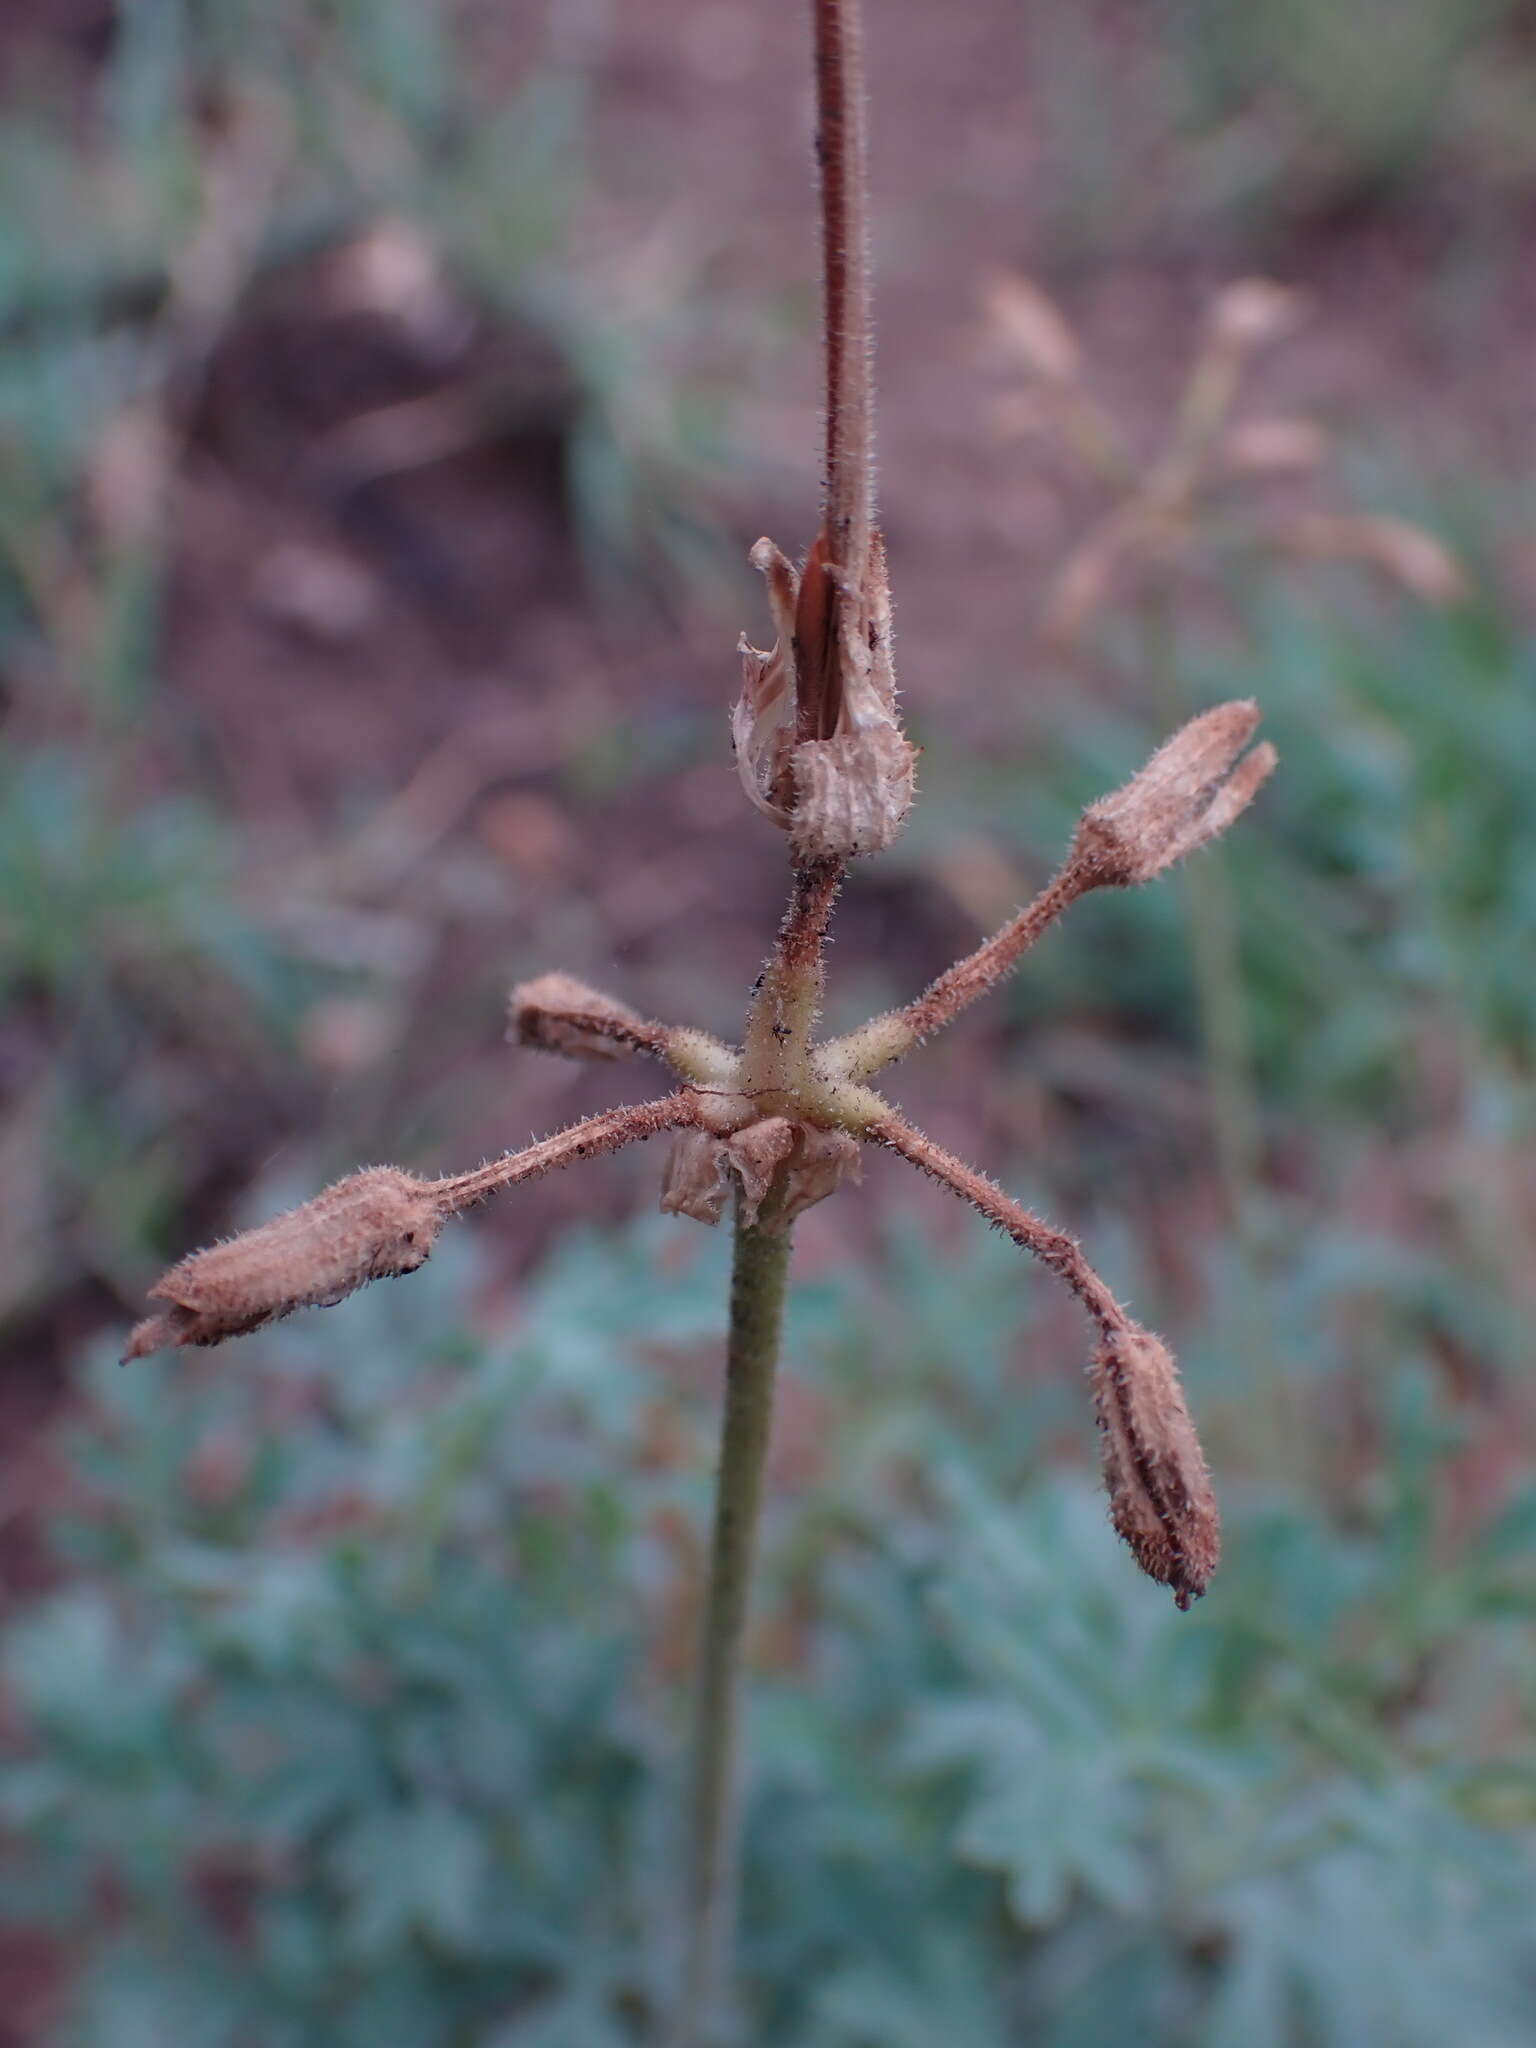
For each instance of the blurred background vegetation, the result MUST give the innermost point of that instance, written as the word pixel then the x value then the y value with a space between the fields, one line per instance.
pixel 388 395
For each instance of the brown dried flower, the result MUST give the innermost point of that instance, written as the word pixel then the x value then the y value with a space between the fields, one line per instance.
pixel 373 1224
pixel 781 1167
pixel 1190 791
pixel 558 1013
pixel 819 746
pixel 1160 1494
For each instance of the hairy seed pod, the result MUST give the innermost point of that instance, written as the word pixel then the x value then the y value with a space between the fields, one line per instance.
pixel 1160 1493
pixel 370 1226
pixel 558 1013
pixel 1190 791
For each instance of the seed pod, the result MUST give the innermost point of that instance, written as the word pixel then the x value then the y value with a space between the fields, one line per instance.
pixel 373 1225
pixel 1190 791
pixel 557 1013
pixel 1160 1494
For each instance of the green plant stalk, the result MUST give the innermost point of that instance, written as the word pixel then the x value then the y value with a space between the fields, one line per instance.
pixel 759 1270
pixel 1218 970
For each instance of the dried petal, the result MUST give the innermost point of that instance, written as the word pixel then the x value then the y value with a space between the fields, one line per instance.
pixel 370 1226
pixel 851 793
pixel 1186 794
pixel 557 1013
pixel 819 747
pixel 822 1161
pixel 757 1154
pixel 782 1167
pixel 695 1183
pixel 763 721
pixel 1160 1493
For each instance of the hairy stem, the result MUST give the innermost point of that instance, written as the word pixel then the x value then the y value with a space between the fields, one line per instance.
pixel 595 1135
pixel 1053 1248
pixel 758 1275
pixel 783 1016
pixel 841 155
pixel 884 1039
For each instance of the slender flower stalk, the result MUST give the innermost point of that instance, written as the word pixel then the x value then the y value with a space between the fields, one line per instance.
pixel 759 1276
pixel 778 1122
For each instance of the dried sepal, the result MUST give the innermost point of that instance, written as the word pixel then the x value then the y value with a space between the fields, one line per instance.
pixel 1160 1494
pixel 781 1166
pixel 694 1181
pixel 853 767
pixel 757 1156
pixel 763 721
pixel 559 1014
pixel 1190 791
pixel 819 747
pixel 371 1226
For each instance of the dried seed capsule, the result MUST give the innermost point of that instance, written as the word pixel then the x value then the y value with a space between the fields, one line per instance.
pixel 557 1013
pixel 370 1226
pixel 1160 1493
pixel 1190 791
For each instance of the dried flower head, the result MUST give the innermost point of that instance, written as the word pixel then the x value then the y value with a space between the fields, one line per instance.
pixel 558 1013
pixel 819 746
pixel 779 1166
pixel 1190 791
pixel 777 1123
pixel 1160 1494
pixel 374 1224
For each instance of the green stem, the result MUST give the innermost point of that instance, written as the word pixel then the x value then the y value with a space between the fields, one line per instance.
pixel 759 1269
pixel 1218 971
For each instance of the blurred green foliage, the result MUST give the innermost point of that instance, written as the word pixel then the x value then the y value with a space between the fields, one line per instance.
pixel 1285 112
pixel 359 1719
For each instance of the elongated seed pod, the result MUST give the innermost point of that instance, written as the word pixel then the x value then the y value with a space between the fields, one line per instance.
pixel 1160 1494
pixel 372 1225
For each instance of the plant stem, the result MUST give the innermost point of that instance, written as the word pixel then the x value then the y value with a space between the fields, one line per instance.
pixel 758 1272
pixel 841 155
pixel 1218 971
